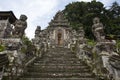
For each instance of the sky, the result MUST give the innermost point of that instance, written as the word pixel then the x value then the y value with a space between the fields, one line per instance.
pixel 39 12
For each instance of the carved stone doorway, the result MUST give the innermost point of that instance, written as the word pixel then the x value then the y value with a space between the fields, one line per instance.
pixel 59 39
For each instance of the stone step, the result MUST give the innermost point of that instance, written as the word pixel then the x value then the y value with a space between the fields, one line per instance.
pixel 6 62
pixel 59 52
pixel 60 68
pixel 59 56
pixel 47 59
pixel 56 65
pixel 59 62
pixel 81 70
pixel 3 55
pixel 58 75
pixel 59 49
pixel 57 78
pixel 58 59
pixel 2 59
pixel 114 57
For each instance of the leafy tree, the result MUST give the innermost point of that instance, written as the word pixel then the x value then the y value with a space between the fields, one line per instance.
pixel 29 46
pixel 26 41
pixel 114 19
pixel 82 14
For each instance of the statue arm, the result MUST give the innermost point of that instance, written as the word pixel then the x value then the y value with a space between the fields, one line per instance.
pixel 25 25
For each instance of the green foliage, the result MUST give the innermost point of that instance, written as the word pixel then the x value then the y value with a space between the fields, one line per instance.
pixel 111 36
pixel 118 46
pixel 118 43
pixel 2 48
pixel 91 42
pixel 26 41
pixel 83 13
pixel 29 46
pixel 23 50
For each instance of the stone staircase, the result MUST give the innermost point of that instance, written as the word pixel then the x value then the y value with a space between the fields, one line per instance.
pixel 3 60
pixel 3 63
pixel 58 64
pixel 115 61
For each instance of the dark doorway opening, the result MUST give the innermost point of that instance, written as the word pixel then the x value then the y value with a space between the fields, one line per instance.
pixel 59 38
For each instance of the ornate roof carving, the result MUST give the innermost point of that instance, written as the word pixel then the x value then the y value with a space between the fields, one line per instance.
pixel 59 20
pixel 4 15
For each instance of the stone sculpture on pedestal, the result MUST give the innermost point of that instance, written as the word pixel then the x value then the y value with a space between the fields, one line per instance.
pixel 98 29
pixel 37 31
pixel 104 47
pixel 20 26
pixel 80 43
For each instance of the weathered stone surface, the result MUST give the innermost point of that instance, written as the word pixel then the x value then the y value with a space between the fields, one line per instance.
pixel 115 61
pixel 59 20
pixel 12 44
pixel 58 64
pixel 5 29
pixel 7 18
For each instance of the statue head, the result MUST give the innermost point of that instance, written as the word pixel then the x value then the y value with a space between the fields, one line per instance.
pixel 23 17
pixel 96 20
pixel 38 28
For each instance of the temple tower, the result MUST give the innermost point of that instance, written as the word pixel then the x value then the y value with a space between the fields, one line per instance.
pixel 59 30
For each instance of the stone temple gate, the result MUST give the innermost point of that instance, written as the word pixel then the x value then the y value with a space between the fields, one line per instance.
pixel 57 52
pixel 57 33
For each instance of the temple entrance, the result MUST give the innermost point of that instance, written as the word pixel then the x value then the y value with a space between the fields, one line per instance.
pixel 59 38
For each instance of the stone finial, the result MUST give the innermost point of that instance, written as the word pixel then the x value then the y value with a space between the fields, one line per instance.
pixel 59 16
pixel 37 31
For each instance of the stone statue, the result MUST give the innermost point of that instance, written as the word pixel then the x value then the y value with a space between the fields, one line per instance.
pixel 102 43
pixel 97 29
pixel 104 48
pixel 37 31
pixel 81 34
pixel 20 26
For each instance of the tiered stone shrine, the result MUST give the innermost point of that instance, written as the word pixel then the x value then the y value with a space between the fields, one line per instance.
pixel 58 32
pixel 59 28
